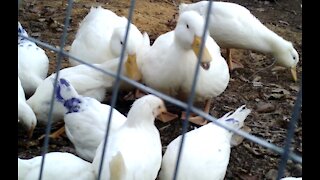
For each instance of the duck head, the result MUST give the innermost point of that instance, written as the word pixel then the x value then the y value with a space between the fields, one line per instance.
pixel 189 31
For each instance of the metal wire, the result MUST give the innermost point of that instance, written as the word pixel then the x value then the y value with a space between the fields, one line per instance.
pixel 290 133
pixel 177 102
pixel 58 67
pixel 286 154
pixel 192 93
pixel 116 88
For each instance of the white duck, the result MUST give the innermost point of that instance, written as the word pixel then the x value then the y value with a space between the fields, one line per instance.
pixel 87 82
pixel 100 37
pixel 134 151
pixel 85 119
pixel 33 63
pixel 233 26
pixel 25 114
pixel 170 63
pixel 291 178
pixel 58 165
pixel 206 150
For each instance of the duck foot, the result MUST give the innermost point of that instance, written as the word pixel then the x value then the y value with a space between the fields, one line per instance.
pixel 167 116
pixel 55 135
pixel 133 96
pixel 30 132
pixel 235 65
pixel 232 63
pixel 194 119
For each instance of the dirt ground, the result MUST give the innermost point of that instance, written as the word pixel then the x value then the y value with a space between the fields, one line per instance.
pixel 255 85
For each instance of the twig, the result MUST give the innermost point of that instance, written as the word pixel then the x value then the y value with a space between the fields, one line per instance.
pixel 262 69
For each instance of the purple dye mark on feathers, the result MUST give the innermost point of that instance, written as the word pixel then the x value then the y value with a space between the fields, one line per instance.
pixel 65 82
pixel 72 105
pixel 58 94
pixel 232 120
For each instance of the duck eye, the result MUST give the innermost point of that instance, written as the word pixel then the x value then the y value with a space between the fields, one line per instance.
pixel 121 42
pixel 188 26
pixel 294 58
pixel 159 107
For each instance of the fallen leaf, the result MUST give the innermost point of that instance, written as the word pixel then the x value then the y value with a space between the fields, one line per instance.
pixel 243 79
pixel 278 68
pixel 257 84
pixel 284 22
pixel 275 85
pixel 295 88
pixel 37 34
pixel 67 48
pixel 281 91
pixel 248 177
pixel 256 79
pixel 278 93
pixel 260 9
pixel 41 19
pixel 237 139
pixel 265 107
pixel 272 174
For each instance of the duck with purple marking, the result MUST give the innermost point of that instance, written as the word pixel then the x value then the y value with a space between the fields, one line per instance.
pixel 86 80
pixel 85 119
pixel 33 63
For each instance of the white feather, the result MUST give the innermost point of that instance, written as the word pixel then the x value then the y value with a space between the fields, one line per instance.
pixel 233 26
pixel 33 63
pixel 25 114
pixel 206 150
pixel 58 165
pixel 137 142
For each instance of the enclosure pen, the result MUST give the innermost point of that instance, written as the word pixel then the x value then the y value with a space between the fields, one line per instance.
pixel 283 151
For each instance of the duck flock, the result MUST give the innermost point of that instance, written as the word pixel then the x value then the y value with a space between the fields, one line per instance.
pixel 134 149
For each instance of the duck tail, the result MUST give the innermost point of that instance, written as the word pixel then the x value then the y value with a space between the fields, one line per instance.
pixel 237 118
pixel 182 7
pixel 22 32
pixel 67 95
pixel 65 90
pixel 146 39
pixel 117 167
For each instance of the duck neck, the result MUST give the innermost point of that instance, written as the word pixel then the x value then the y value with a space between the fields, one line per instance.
pixel 180 48
pixel 274 43
pixel 137 118
pixel 112 65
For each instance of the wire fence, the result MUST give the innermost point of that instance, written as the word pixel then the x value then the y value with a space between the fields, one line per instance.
pixel 285 152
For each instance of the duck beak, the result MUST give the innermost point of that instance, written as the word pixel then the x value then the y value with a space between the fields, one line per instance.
pixel 294 73
pixel 206 57
pixel 161 112
pixel 132 69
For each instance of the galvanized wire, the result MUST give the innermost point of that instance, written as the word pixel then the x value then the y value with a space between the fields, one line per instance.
pixel 177 102
pixel 58 66
pixel 192 93
pixel 183 105
pixel 286 154
pixel 290 133
pixel 116 88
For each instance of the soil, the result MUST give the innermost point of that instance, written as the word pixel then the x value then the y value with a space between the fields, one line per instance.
pixel 268 90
